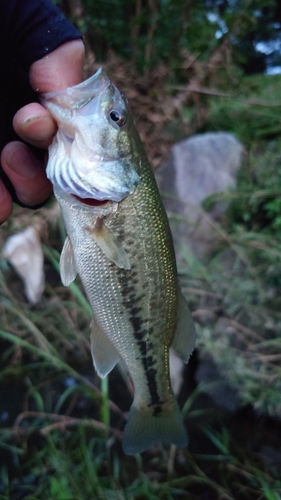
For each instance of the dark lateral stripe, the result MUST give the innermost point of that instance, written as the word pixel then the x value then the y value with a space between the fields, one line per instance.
pixel 131 302
pixel 150 373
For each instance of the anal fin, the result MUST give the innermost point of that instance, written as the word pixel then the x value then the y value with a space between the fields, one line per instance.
pixel 109 244
pixel 185 335
pixel 103 352
pixel 68 270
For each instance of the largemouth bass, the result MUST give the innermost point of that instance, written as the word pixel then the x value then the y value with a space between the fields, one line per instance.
pixel 120 244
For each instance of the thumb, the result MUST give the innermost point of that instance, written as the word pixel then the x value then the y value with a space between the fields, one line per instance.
pixel 59 69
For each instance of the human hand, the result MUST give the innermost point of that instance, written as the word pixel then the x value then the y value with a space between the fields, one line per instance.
pixel 33 123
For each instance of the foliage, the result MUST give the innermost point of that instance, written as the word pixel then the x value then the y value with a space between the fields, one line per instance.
pixel 258 207
pixel 251 112
pixel 144 31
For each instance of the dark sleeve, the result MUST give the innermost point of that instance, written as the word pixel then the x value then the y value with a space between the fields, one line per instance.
pixel 30 29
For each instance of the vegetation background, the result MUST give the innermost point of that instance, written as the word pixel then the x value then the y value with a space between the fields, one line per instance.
pixel 186 67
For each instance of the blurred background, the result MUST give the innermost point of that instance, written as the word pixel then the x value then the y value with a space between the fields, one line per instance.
pixel 203 79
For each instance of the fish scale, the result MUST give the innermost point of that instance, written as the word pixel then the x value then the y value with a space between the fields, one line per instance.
pixel 123 253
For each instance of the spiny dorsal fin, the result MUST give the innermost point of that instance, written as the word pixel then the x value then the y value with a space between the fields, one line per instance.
pixel 68 270
pixel 109 244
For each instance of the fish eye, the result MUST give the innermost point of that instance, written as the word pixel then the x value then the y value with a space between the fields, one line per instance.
pixel 118 117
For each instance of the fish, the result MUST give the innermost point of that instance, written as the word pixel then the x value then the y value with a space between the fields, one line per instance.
pixel 120 244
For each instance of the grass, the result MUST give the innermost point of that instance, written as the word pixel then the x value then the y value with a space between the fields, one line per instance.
pixel 243 333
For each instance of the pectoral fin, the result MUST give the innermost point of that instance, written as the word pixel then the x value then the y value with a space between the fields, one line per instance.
pixel 184 339
pixel 68 270
pixel 110 245
pixel 103 352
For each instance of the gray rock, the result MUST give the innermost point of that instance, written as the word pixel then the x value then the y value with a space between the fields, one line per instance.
pixel 216 385
pixel 196 168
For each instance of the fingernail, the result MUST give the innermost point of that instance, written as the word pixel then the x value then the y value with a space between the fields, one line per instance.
pixel 39 128
pixel 21 161
pixel 31 119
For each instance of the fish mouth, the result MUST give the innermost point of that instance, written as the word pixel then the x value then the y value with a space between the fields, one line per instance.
pixel 91 202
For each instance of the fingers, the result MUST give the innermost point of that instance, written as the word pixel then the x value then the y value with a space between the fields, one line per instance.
pixel 59 69
pixel 26 173
pixel 34 124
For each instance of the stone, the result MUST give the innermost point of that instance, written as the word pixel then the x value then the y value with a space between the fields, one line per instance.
pixel 216 385
pixel 24 252
pixel 198 167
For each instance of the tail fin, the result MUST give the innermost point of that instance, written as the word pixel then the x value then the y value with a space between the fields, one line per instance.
pixel 144 428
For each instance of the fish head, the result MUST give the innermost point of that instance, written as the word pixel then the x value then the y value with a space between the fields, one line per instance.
pixel 92 155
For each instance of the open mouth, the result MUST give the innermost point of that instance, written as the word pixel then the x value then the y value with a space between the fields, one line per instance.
pixel 91 201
